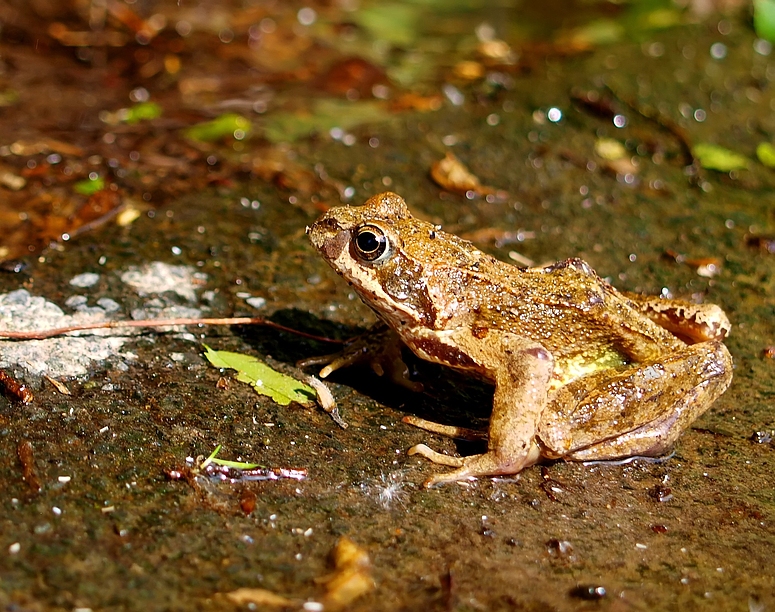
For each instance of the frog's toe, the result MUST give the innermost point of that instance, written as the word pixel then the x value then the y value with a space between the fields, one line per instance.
pixel 342 360
pixel 332 362
pixel 488 464
pixel 440 479
pixel 432 455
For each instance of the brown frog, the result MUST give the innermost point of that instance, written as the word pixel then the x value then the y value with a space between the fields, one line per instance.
pixel 581 370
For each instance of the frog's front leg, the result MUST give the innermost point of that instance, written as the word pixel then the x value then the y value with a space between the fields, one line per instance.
pixel 380 347
pixel 635 410
pixel 521 370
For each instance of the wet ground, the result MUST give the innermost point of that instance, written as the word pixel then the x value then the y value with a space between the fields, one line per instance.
pixel 91 515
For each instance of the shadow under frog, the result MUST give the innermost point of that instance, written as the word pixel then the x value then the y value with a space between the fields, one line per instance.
pixel 581 370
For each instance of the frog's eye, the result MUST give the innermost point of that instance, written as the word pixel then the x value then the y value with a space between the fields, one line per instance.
pixel 371 244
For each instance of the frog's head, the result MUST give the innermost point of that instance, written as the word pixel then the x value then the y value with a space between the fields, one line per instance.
pixel 364 245
pixel 336 229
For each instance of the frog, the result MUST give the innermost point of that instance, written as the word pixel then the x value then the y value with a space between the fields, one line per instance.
pixel 581 371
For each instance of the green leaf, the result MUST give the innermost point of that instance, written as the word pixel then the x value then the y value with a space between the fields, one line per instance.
pixel 713 157
pixel 662 18
pixel 765 152
pixel 326 114
pixel 90 186
pixel 229 124
pixel 210 458
pixel 141 112
pixel 395 23
pixel 599 32
pixel 240 465
pixel 264 380
pixel 764 19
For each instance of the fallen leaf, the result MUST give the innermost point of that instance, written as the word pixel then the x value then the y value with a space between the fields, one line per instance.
pixel 497 50
pixel 239 465
pixel 223 126
pixel 713 157
pixel 415 101
pixel 764 19
pixel 451 174
pixel 142 112
pixel 128 215
pixel 469 70
pixel 595 33
pixel 351 578
pixel 395 23
pixel 58 385
pixel 326 400
pixel 25 148
pixel 259 597
pixel 72 38
pixel 11 180
pixel 353 74
pixel 102 205
pixel 765 152
pixel 264 380
pixel 90 186
pixel 705 266
pixel 324 116
pixel 610 149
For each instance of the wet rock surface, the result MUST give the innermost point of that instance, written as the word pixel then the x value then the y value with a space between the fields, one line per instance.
pixel 91 518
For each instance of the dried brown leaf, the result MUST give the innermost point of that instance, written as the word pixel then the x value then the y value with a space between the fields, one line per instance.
pixel 451 174
pixel 351 578
pixel 58 385
pixel 259 597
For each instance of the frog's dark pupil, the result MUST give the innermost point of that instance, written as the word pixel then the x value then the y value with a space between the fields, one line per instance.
pixel 371 243
pixel 368 242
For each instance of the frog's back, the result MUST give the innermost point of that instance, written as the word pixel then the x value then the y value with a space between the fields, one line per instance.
pixel 566 307
pixel 450 283
pixel 590 312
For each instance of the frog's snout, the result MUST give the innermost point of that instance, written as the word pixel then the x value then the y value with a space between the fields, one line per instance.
pixel 328 237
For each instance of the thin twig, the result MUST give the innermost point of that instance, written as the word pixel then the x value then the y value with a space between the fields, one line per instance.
pixel 665 123
pixel 49 333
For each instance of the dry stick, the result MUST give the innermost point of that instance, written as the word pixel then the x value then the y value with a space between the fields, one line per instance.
pixel 49 333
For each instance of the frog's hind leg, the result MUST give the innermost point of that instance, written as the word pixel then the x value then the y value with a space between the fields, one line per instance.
pixel 521 370
pixel 635 410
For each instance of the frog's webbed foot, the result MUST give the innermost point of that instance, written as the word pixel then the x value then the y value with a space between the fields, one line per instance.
pixel 488 464
pixel 380 347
